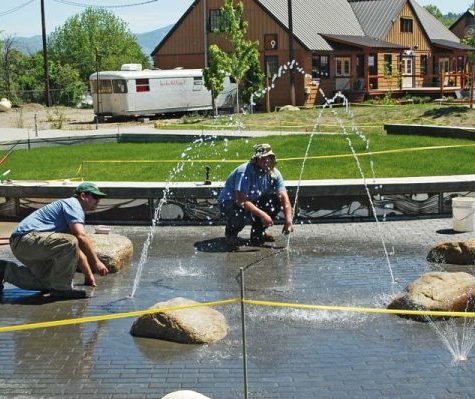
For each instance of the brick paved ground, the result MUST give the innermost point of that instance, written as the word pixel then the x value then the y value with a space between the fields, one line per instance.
pixel 291 353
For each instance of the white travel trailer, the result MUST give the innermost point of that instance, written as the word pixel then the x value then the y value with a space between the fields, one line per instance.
pixel 133 91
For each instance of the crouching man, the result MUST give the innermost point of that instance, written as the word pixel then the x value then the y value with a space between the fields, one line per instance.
pixel 51 243
pixel 255 193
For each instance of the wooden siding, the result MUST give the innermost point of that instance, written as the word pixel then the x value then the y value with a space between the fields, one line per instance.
pixel 185 47
pixel 416 38
pixel 462 27
pixel 188 37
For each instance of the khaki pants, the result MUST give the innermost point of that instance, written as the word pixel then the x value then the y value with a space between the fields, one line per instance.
pixel 50 260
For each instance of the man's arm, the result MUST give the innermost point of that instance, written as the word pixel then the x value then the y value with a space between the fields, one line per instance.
pixel 89 256
pixel 287 209
pixel 243 201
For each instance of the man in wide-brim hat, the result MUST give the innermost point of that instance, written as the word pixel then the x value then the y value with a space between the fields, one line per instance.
pixel 255 193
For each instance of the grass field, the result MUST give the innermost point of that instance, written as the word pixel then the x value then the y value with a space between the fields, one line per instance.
pixel 369 119
pixel 330 157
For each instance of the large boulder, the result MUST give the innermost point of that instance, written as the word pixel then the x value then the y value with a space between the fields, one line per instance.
pixel 453 252
pixel 5 105
pixel 185 395
pixel 438 291
pixel 196 325
pixel 289 108
pixel 114 250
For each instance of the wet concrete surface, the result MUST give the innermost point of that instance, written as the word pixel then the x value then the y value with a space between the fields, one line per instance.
pixel 292 353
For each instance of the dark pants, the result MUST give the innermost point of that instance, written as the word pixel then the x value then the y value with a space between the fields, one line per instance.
pixel 236 217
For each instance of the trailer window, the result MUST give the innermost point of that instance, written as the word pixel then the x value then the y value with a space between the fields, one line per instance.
pixel 105 86
pixel 119 86
pixel 197 83
pixel 142 85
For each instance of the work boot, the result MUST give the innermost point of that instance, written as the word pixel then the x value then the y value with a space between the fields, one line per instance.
pixel 269 237
pixel 232 241
pixel 257 240
pixel 68 294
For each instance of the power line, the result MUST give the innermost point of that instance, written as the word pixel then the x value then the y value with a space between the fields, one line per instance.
pixel 15 9
pixel 78 4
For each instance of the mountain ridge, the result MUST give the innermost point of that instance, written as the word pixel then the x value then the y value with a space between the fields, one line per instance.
pixel 147 41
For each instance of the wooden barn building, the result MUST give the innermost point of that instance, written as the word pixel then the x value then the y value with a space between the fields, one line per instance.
pixel 363 48
pixel 464 25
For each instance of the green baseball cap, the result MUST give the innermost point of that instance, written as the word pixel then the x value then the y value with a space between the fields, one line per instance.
pixel 89 187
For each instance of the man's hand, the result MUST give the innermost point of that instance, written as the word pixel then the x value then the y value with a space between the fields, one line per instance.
pixel 288 228
pixel 266 220
pixel 90 280
pixel 101 268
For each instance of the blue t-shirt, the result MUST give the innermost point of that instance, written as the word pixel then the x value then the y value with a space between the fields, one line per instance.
pixel 252 181
pixel 55 216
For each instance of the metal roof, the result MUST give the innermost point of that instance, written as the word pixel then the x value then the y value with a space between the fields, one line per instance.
pixel 365 41
pixel 311 18
pixel 377 16
pixel 451 45
pixel 432 26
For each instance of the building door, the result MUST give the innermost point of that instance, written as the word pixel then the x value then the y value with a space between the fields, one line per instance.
pixel 444 69
pixel 342 73
pixel 407 71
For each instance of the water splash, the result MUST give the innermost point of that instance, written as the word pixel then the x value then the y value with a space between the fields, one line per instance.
pixel 158 209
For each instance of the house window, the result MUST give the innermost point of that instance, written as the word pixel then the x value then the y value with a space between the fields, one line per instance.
pixel 406 25
pixel 460 64
pixel 142 85
pixel 320 66
pixel 272 65
pixel 342 66
pixel 424 64
pixel 214 20
pixel 388 64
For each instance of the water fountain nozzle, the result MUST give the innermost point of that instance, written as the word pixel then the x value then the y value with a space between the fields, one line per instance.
pixel 207 178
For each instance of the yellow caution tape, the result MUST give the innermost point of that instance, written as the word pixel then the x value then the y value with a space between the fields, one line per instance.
pixel 360 154
pixel 400 312
pixel 91 319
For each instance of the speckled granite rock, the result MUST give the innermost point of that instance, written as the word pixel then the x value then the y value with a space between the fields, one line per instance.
pixel 453 252
pixel 442 291
pixel 198 325
pixel 114 250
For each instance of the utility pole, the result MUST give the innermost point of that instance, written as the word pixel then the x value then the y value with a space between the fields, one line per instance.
pixel 205 31
pixel 472 62
pixel 291 53
pixel 45 55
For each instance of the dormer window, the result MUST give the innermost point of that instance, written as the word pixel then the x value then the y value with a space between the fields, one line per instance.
pixel 406 25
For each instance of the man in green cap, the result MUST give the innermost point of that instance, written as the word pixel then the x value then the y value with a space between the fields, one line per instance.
pixel 51 243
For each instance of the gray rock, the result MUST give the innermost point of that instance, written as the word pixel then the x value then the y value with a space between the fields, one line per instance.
pixel 440 291
pixel 185 395
pixel 198 325
pixel 114 250
pixel 453 252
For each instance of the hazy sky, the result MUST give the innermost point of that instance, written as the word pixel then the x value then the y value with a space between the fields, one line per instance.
pixel 26 21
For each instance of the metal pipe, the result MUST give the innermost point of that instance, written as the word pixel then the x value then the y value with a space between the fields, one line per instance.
pixel 243 328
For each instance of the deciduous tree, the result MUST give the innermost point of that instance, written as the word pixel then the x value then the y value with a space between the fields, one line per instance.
pixel 95 38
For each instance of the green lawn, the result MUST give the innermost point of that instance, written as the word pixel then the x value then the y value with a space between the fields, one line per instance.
pixel 370 119
pixel 163 161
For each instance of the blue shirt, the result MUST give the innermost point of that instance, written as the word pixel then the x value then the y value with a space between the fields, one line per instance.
pixel 252 181
pixel 55 216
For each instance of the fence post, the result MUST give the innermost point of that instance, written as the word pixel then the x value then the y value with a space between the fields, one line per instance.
pixel 243 327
